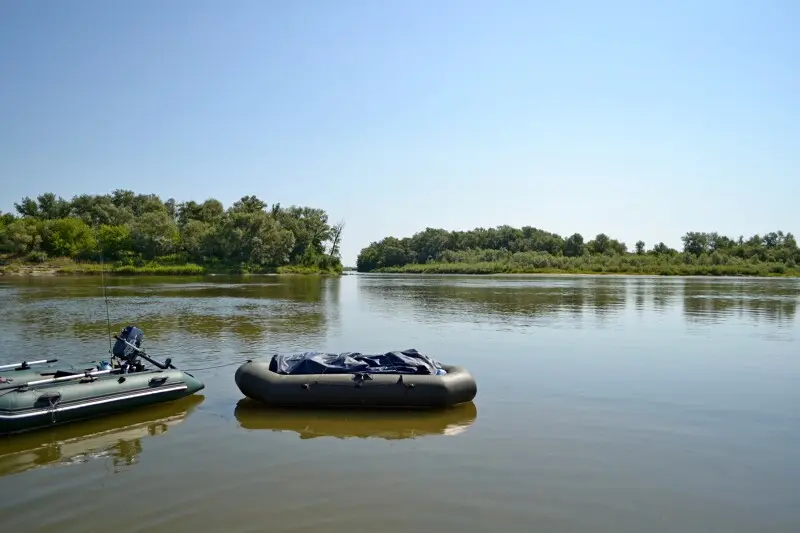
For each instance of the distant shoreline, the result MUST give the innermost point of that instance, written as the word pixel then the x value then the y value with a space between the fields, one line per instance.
pixel 488 269
pixel 528 250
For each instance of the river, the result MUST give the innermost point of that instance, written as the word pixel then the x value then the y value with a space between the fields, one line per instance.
pixel 605 404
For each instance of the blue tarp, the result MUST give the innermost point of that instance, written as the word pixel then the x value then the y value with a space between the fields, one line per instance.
pixel 400 362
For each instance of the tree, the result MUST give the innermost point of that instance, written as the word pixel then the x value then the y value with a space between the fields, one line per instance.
pixel 153 234
pixel 100 210
pixel 603 244
pixel 695 242
pixel 198 240
pixel 124 224
pixel 27 208
pixel 336 238
pixel 248 204
pixel 255 238
pixel 67 237
pixel 661 249
pixel 573 246
pixel 309 227
pixel 114 241
pixel 22 236
pixel 509 249
pixel 51 208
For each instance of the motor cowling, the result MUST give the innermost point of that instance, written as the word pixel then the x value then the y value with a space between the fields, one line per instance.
pixel 128 341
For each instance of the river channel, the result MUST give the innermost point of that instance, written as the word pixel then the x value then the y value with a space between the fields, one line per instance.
pixel 605 404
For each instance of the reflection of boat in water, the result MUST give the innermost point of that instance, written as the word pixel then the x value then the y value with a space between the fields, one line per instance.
pixel 117 436
pixel 356 423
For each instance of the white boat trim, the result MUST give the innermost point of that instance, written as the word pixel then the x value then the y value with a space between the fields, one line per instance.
pixel 91 403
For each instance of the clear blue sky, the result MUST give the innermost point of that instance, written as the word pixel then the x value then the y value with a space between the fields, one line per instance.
pixel 640 119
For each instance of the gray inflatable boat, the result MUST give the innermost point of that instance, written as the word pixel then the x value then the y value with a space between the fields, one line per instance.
pixel 34 399
pixel 402 379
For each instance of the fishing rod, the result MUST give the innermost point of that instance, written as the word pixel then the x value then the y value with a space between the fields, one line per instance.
pixel 25 365
pixel 163 366
pixel 105 298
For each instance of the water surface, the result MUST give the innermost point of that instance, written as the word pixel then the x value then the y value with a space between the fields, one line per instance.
pixel 605 404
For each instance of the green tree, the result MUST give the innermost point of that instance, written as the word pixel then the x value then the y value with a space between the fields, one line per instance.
pixel 248 204
pixel 52 207
pixel 98 210
pixel 695 242
pixel 198 240
pixel 154 234
pixel 124 224
pixel 252 237
pixel 662 249
pixel 22 236
pixel 336 238
pixel 309 227
pixel 574 246
pixel 114 241
pixel 27 208
pixel 506 249
pixel 67 237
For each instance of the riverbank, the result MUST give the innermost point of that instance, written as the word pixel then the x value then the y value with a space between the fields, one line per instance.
pixel 643 268
pixel 64 266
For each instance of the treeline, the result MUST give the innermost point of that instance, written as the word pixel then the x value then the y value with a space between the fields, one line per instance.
pixel 140 229
pixel 506 249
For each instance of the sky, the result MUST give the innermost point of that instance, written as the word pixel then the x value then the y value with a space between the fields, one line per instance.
pixel 642 120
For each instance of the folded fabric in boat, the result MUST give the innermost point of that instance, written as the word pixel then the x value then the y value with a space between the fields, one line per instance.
pixel 398 362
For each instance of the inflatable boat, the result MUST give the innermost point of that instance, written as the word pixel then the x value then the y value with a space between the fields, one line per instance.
pixel 401 379
pixel 32 399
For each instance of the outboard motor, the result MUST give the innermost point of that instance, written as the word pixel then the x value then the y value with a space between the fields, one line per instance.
pixel 126 349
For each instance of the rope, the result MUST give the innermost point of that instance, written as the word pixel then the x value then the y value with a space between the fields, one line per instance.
pixel 53 403
pixel 216 366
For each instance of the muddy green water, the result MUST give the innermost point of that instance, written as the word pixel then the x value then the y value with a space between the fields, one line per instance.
pixel 605 404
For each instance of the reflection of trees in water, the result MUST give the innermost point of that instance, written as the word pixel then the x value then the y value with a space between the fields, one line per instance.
pixel 248 311
pixel 666 294
pixel 125 453
pixel 655 294
pixel 702 299
pixel 639 294
pixel 295 288
pixel 331 296
pixel 572 299
pixel 246 327
pixel 712 300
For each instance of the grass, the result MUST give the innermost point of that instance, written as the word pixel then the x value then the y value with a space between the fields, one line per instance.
pixel 152 269
pixel 66 266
